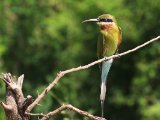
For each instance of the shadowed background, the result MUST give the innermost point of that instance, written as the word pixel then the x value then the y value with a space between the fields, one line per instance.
pixel 40 38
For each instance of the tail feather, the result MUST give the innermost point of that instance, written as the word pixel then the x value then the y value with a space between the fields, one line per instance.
pixel 105 69
pixel 103 91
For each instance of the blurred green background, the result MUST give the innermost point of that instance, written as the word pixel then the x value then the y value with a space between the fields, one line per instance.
pixel 38 38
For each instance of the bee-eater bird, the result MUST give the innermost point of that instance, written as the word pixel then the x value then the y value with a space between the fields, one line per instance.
pixel 107 46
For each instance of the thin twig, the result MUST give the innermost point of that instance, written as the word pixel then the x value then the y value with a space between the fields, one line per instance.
pixel 62 73
pixel 37 114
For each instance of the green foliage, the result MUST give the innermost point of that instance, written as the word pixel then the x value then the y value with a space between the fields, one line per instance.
pixel 40 38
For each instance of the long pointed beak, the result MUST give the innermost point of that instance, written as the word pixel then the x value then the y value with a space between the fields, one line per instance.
pixel 91 20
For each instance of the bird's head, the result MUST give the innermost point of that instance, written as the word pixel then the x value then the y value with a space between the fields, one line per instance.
pixel 105 21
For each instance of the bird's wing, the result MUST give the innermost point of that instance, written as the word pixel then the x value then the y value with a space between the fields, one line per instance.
pixel 119 36
pixel 119 39
pixel 100 48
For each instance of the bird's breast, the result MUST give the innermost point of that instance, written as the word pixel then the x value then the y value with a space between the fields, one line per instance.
pixel 110 43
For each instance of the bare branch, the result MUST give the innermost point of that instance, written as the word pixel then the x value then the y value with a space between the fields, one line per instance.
pixel 20 81
pixel 66 107
pixel 61 74
pixel 37 114
pixel 5 106
pixel 16 87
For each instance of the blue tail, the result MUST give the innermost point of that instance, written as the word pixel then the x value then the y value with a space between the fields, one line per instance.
pixel 105 69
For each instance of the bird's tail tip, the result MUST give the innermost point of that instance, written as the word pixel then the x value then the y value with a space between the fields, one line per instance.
pixel 103 91
pixel 102 108
pixel 102 97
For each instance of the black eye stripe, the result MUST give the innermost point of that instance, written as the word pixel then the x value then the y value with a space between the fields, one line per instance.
pixel 109 20
pixel 106 20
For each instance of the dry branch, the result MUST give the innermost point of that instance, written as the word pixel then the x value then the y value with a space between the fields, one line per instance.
pixel 15 104
pixel 62 73
pixel 66 107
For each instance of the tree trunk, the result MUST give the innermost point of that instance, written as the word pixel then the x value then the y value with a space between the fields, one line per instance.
pixel 15 104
